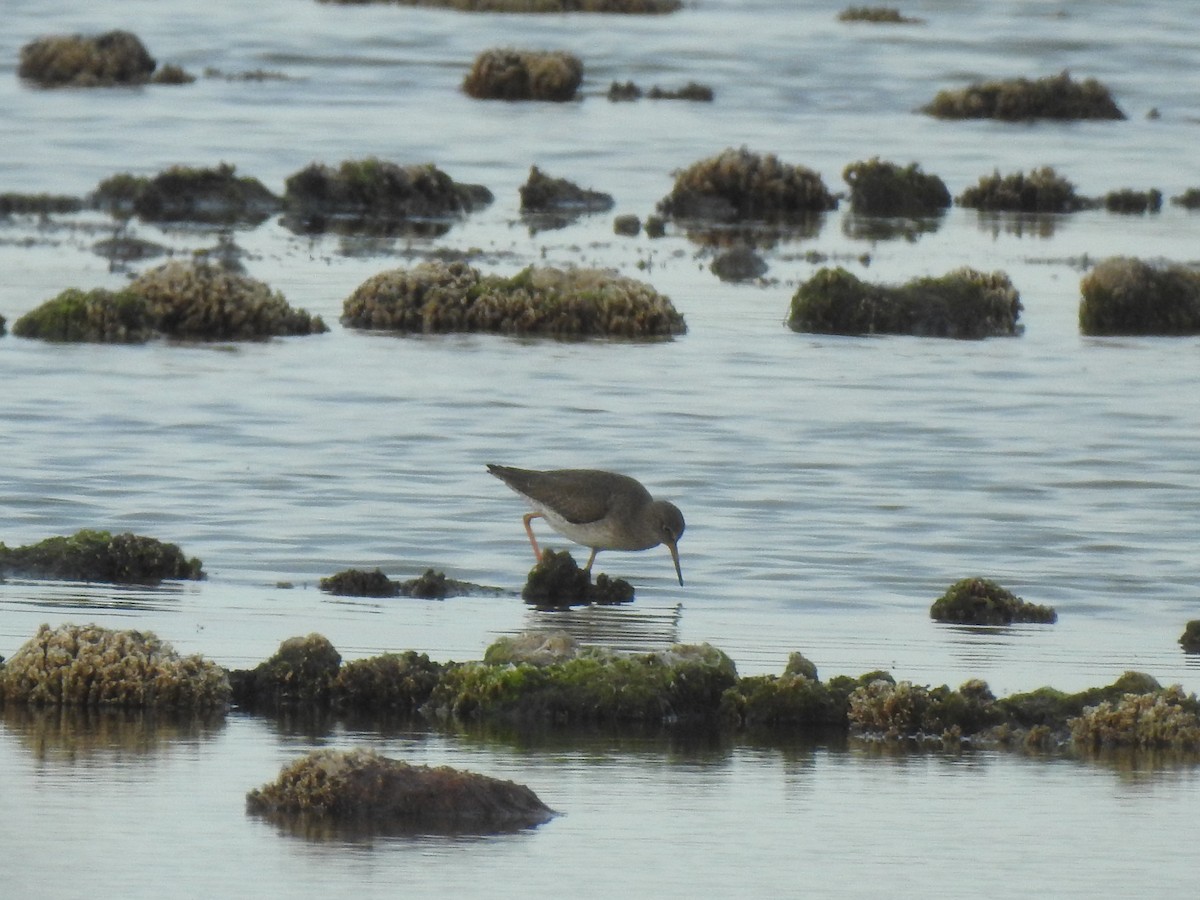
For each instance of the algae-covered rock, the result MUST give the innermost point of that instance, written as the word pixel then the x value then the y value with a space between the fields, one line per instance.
pixel 87 665
pixel 885 189
pixel 543 194
pixel 739 263
pixel 360 583
pixel 506 74
pixel 369 792
pixel 1189 199
pixel 188 194
pixel 1042 190
pixel 981 601
pixel 201 301
pixel 628 7
pixel 1133 202
pixel 436 296
pixel 1190 639
pixel 557 582
pixel 390 682
pixel 112 58
pixel 788 701
pixel 683 684
pixel 742 186
pixel 539 648
pixel 963 304
pixel 16 204
pixel 1021 99
pixel 876 14
pixel 95 316
pixel 91 555
pixel 301 672
pixel 904 710
pixel 627 91
pixel 1166 718
pixel 627 225
pixel 370 191
pixel 1126 296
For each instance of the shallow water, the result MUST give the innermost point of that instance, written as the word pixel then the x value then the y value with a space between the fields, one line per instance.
pixel 833 486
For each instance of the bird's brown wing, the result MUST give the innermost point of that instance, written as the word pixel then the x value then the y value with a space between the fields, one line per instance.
pixel 578 495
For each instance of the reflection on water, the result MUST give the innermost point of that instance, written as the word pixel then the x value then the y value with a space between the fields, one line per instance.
pixel 103 735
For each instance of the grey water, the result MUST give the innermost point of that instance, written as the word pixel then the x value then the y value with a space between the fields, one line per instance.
pixel 833 487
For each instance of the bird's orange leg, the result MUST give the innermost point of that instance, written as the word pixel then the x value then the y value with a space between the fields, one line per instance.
pixel 591 559
pixel 537 553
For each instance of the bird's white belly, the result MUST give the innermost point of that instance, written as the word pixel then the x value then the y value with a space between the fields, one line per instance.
pixel 597 534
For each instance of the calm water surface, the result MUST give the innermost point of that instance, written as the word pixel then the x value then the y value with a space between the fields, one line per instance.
pixel 833 487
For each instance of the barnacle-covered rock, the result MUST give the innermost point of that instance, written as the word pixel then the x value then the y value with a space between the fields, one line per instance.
pixel 1042 191
pixel 436 296
pixel 96 316
pixel 202 301
pixel 105 60
pixel 904 710
pixel 506 74
pixel 981 601
pixel 742 186
pixel 964 304
pixel 683 684
pixel 1020 99
pixel 182 193
pixel 1163 719
pixel 373 190
pixel 91 555
pixel 879 188
pixel 1126 296
pixel 87 665
pixel 368 792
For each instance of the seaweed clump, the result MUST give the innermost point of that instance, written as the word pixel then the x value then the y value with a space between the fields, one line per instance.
pixel 1189 199
pixel 430 585
pixel 1127 296
pixel 90 555
pixel 436 297
pixel 371 793
pixel 1042 191
pixel 505 74
pixel 628 7
pixel 95 316
pixel 885 189
pixel 681 685
pixel 693 91
pixel 1190 639
pixel 105 60
pixel 557 582
pixel 795 700
pixel 38 204
pixel 886 15
pixel 981 601
pixel 742 186
pixel 206 302
pixel 1021 99
pixel 964 304
pixel 542 194
pixel 1133 202
pixel 182 193
pixel 301 672
pixel 389 682
pixel 87 665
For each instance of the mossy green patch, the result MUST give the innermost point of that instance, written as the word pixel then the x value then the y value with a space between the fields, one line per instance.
pixel 91 555
pixel 1126 296
pixel 95 316
pixel 981 601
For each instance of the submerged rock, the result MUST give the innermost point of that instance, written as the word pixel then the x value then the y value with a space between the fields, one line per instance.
pixel 105 60
pixel 963 304
pixel 1189 199
pixel 1126 296
pixel 1020 99
pixel 96 316
pixel 557 582
pixel 741 186
pixel 369 792
pixel 981 601
pixel 15 204
pixel 201 301
pixel 100 556
pixel 373 190
pixel 1043 191
pixel 884 189
pixel 738 263
pixel 506 74
pixel 436 296
pixel 631 7
pixel 876 14
pixel 540 194
pixel 693 91
pixel 1128 200
pixel 87 665
pixel 430 585
pixel 188 194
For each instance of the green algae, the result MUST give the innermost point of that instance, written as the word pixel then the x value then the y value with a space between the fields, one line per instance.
pixel 1043 190
pixel 1021 99
pixel 880 188
pixel 963 304
pixel 437 296
pixel 507 74
pixel 1127 296
pixel 981 601
pixel 389 682
pixel 91 555
pixel 95 316
pixel 88 665
pixel 743 186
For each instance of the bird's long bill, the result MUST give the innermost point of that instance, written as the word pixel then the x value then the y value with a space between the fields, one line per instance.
pixel 675 556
